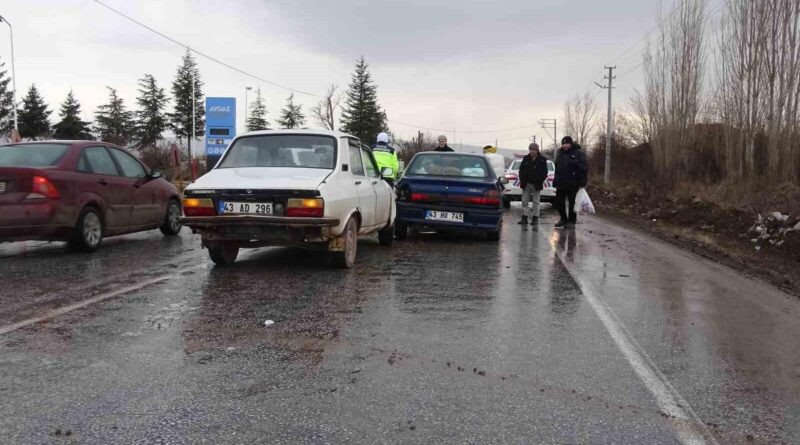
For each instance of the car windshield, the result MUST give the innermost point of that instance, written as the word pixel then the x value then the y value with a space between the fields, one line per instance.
pixel 515 165
pixel 449 165
pixel 31 155
pixel 281 150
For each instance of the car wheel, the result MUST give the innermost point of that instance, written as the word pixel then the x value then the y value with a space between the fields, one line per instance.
pixel 222 254
pixel 346 259
pixel 88 233
pixel 386 236
pixel 171 225
pixel 400 231
pixel 506 203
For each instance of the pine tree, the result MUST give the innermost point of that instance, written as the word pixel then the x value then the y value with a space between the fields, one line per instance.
pixel 362 115
pixel 33 116
pixel 258 112
pixel 292 115
pixel 6 102
pixel 71 126
pixel 181 118
pixel 113 122
pixel 151 122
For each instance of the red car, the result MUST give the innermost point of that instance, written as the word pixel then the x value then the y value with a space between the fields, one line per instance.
pixel 80 192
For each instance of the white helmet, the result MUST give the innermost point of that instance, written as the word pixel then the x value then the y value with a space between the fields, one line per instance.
pixel 383 137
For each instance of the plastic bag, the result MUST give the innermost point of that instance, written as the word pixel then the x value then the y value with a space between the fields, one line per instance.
pixel 583 205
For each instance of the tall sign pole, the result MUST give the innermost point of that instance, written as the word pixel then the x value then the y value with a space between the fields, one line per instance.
pixel 13 73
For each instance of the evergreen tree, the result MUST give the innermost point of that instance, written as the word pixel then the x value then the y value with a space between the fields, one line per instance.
pixel 6 102
pixel 181 118
pixel 258 114
pixel 362 115
pixel 113 122
pixel 71 126
pixel 292 115
pixel 33 116
pixel 151 122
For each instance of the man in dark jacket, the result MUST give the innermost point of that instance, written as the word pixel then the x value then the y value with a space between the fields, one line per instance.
pixel 442 144
pixel 532 173
pixel 571 174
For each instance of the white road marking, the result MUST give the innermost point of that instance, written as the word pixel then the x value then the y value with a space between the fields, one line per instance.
pixel 689 428
pixel 95 299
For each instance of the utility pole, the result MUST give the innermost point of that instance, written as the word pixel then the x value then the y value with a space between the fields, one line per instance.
pixel 610 77
pixel 13 73
pixel 550 124
pixel 246 89
pixel 193 118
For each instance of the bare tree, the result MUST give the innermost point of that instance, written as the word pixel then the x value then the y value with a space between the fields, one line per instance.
pixel 580 118
pixel 325 111
pixel 673 86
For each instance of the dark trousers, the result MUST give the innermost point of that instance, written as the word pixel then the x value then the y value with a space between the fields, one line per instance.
pixel 563 196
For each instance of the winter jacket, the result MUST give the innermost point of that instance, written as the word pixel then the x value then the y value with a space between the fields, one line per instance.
pixel 533 171
pixel 445 148
pixel 386 156
pixel 571 168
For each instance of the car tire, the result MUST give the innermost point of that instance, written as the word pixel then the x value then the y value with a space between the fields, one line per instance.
pixel 400 231
pixel 171 226
pixel 222 254
pixel 346 259
pixel 386 236
pixel 493 235
pixel 506 203
pixel 88 232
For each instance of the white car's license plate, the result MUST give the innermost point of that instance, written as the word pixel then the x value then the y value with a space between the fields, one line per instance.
pixel 436 215
pixel 248 208
pixel 2 187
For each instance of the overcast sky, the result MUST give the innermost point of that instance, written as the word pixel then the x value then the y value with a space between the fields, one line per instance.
pixel 466 65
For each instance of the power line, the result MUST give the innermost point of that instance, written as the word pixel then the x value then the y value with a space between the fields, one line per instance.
pixel 211 58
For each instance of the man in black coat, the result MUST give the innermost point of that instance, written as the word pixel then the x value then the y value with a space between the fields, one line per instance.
pixel 442 144
pixel 532 173
pixel 571 174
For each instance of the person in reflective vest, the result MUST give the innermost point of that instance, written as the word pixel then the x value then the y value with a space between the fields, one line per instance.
pixel 385 155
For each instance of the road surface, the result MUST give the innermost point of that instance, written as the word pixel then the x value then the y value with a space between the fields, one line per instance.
pixel 598 335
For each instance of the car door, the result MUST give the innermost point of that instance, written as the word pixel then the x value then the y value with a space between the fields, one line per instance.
pixel 99 175
pixel 147 209
pixel 379 186
pixel 363 186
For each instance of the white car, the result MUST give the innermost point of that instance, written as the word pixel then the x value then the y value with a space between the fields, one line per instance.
pixel 513 192
pixel 315 189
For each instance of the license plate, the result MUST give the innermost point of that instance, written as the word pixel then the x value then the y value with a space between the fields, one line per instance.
pixel 2 187
pixel 248 208
pixel 436 215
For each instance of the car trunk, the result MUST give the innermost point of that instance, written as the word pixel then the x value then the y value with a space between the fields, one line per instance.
pixel 447 191
pixel 16 183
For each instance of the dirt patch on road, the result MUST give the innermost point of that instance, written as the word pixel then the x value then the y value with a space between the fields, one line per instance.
pixel 759 235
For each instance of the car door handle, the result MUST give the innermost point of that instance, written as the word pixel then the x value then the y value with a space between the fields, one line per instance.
pixel 102 182
pixel 358 182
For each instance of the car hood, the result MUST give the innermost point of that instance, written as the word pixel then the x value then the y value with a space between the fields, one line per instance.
pixel 274 178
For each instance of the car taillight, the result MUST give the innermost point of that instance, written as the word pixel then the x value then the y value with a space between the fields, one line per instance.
pixel 308 207
pixel 43 188
pixel 511 176
pixel 198 207
pixel 420 197
pixel 489 198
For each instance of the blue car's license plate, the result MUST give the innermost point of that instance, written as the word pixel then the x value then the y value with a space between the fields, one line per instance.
pixel 437 215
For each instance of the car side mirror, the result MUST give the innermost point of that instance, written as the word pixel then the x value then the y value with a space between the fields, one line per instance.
pixel 154 174
pixel 502 180
pixel 387 172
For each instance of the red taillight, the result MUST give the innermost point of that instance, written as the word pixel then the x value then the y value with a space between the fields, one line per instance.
pixel 305 208
pixel 511 176
pixel 198 207
pixel 420 197
pixel 43 188
pixel 491 198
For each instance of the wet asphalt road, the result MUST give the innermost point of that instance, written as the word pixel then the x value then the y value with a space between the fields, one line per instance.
pixel 434 340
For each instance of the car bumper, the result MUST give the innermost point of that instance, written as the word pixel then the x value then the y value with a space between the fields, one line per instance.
pixel 253 231
pixel 31 220
pixel 475 219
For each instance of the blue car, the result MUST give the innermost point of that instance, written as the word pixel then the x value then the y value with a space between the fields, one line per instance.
pixel 449 191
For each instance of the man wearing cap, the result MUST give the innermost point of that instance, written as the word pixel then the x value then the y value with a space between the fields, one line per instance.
pixel 442 144
pixel 385 155
pixel 571 174
pixel 532 173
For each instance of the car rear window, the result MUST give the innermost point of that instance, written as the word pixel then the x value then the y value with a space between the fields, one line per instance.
pixel 515 165
pixel 31 155
pixel 281 150
pixel 465 166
